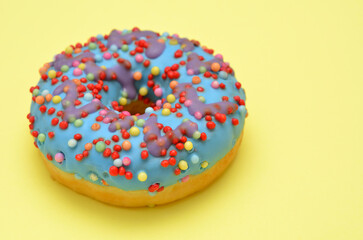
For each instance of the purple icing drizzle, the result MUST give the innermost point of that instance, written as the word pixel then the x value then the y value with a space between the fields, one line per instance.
pixel 154 49
pixel 156 143
pixel 195 63
pixel 198 106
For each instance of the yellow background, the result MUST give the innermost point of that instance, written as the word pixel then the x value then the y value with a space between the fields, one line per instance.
pixel 299 171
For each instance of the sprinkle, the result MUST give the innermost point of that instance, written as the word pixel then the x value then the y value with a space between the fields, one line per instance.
pixel 100 146
pixel 183 165
pixel 88 97
pixel 139 58
pixel 72 143
pixel 107 55
pixel 48 97
pixel 215 67
pixel 93 177
pixel 90 77
pixel 155 71
pixel 126 161
pixel 202 69
pixel 123 101
pixel 56 99
pixel 223 75
pixel 134 131
pixel 125 48
pixel 204 164
pixel 143 91
pixel 117 162
pixel 194 158
pixel 196 80
pixel 64 68
pixel 158 92
pixel 170 98
pixel 59 157
pixel 142 176
pixel 36 92
pixel 39 100
pixel 188 145
pixel 68 50
pixel 52 74
pixel 198 115
pixel 165 112
pixel 140 122
pixel 201 98
pixel 92 46
pixel 41 137
pixel 88 146
pixel 173 84
pixel 185 179
pixel 137 76
pixel 196 135
pixel 77 72
pixel 82 66
pixel 95 126
pixel 215 84
pixel 126 145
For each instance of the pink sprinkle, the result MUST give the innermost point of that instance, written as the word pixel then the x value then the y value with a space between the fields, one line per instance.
pixel 190 72
pixel 185 179
pixel 126 113
pixel 106 120
pixel 75 63
pixel 159 103
pixel 126 161
pixel 219 56
pixel 103 112
pixel 215 84
pixel 198 115
pixel 139 58
pixel 188 103
pixel 95 100
pixel 107 55
pixel 158 92
pixel 77 72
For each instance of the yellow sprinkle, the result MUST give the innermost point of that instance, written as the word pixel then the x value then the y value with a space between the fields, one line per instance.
pixel 142 176
pixel 104 67
pixel 173 41
pixel 143 91
pixel 69 50
pixel 170 98
pixel 82 66
pixel 134 131
pixel 183 165
pixel 165 112
pixel 188 145
pixel 123 101
pixel 204 164
pixel 93 177
pixel 57 99
pixel 52 74
pixel 155 71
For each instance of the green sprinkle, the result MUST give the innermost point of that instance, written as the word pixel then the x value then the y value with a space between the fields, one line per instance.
pixel 41 137
pixel 90 77
pixel 196 135
pixel 201 98
pixel 140 122
pixel 202 69
pixel 92 46
pixel 36 92
pixel 125 48
pixel 78 123
pixel 100 146
pixel 185 120
pixel 64 68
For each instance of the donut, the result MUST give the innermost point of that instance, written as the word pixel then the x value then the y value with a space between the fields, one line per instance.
pixel 137 118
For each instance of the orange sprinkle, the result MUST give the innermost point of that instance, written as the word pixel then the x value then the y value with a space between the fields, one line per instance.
pixel 196 80
pixel 95 126
pixel 88 146
pixel 77 81
pixel 39 100
pixel 126 145
pixel 48 97
pixel 173 84
pixel 77 50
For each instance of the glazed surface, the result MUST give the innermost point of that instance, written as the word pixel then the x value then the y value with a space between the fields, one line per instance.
pixel 78 119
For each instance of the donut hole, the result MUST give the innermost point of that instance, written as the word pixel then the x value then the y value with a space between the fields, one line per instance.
pixel 117 100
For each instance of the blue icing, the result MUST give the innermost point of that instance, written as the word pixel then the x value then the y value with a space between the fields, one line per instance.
pixel 220 140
